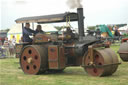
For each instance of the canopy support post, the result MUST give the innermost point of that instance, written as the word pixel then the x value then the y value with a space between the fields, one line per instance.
pixel 32 25
pixel 22 30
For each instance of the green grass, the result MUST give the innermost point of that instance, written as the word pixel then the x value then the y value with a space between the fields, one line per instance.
pixel 11 75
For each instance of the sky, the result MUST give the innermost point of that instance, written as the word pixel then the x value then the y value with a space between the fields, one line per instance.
pixel 95 11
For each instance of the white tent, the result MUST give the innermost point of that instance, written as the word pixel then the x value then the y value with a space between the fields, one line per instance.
pixel 48 28
pixel 45 27
pixel 123 30
pixel 15 30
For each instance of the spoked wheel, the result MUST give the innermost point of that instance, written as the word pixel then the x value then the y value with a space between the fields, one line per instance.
pixel 104 63
pixel 33 59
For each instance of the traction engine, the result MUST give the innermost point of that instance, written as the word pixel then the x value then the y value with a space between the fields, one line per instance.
pixel 123 50
pixel 55 52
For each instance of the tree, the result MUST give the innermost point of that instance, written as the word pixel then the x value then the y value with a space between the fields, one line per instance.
pixel 60 27
pixel 5 30
pixel 92 27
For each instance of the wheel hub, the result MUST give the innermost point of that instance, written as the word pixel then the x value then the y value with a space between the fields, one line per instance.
pixel 29 60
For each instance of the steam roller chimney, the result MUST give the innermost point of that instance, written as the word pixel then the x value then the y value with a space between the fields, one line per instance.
pixel 80 23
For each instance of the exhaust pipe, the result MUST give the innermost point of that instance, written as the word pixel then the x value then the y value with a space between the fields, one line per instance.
pixel 80 23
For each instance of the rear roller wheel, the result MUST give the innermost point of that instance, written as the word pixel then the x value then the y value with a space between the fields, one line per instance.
pixel 33 59
pixel 105 59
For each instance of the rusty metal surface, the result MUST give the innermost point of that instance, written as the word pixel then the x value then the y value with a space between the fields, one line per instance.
pixel 94 71
pixel 62 58
pixel 114 59
pixel 34 59
pixel 102 57
pixel 70 49
pixel 53 54
pixel 56 57
pixel 91 48
pixel 79 60
pixel 123 51
pixel 39 38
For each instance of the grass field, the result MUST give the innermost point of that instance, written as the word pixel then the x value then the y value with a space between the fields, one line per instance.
pixel 11 75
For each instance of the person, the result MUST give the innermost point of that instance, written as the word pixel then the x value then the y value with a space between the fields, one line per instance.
pixel 21 39
pixel 0 43
pixel 117 33
pixel 39 29
pixel 13 40
pixel 1 49
pixel 6 46
pixel 11 48
pixel 26 32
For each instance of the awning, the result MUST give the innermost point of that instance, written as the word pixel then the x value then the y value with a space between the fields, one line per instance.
pixel 49 18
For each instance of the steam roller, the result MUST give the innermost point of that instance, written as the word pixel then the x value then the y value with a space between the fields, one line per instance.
pixel 56 51
pixel 123 50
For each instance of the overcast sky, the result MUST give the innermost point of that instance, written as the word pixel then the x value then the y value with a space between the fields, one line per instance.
pixel 95 11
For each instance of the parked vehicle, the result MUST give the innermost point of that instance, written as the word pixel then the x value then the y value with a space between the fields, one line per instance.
pixel 123 50
pixel 3 35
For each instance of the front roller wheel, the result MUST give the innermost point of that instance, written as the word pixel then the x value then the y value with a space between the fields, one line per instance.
pixel 33 59
pixel 105 63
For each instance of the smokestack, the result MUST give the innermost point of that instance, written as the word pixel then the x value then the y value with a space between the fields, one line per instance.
pixel 74 4
pixel 80 22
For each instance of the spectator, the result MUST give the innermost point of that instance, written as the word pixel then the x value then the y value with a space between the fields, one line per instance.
pixel 0 43
pixel 13 41
pixel 21 39
pixel 11 48
pixel 117 33
pixel 1 49
pixel 6 45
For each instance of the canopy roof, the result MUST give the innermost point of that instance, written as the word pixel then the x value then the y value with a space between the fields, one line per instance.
pixel 48 18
